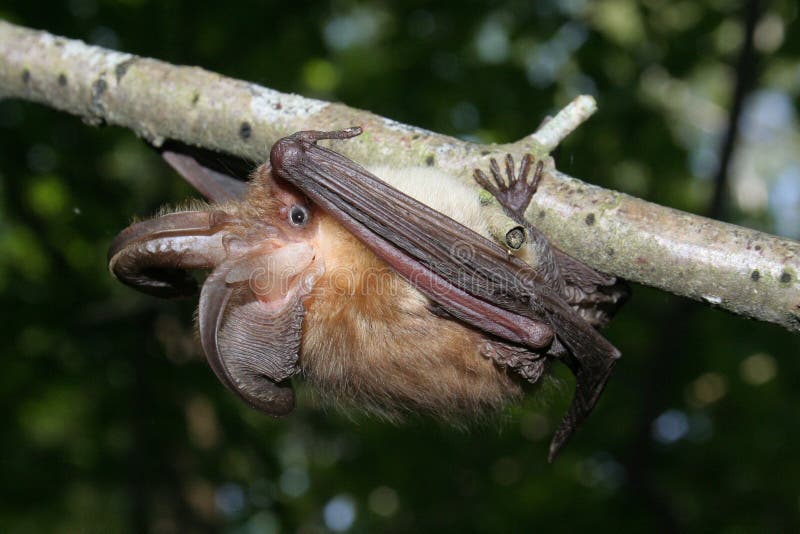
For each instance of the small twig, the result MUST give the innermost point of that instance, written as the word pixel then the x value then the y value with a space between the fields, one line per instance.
pixel 552 132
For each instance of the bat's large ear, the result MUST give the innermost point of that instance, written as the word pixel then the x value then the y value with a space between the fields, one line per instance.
pixel 250 317
pixel 252 348
pixel 153 255
pixel 251 311
pixel 218 177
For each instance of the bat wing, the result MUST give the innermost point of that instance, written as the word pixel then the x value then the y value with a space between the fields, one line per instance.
pixel 468 276
pixel 597 296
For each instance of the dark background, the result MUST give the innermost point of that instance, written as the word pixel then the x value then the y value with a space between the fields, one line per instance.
pixel 110 419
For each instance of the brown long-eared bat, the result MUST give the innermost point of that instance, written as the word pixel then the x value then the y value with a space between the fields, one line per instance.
pixel 391 301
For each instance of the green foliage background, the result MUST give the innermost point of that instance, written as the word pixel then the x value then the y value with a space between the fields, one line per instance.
pixel 110 419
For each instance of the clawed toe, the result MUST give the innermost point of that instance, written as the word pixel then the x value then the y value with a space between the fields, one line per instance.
pixel 513 191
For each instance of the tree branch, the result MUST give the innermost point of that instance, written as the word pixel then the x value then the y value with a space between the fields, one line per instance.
pixel 741 270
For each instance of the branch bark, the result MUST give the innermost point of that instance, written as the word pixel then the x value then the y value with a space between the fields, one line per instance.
pixel 747 272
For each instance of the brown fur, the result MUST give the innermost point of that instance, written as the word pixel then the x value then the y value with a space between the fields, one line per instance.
pixel 369 341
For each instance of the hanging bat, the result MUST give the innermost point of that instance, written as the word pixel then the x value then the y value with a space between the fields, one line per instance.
pixel 320 268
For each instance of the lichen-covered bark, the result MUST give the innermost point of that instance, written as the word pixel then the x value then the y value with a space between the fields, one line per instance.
pixel 748 272
pixel 741 270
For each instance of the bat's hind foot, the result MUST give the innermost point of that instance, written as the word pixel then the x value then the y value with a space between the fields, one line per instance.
pixel 514 191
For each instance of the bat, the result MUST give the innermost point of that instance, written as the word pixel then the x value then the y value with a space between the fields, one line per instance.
pixel 385 294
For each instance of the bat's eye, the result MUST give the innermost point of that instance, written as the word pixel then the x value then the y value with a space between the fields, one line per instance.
pixel 299 215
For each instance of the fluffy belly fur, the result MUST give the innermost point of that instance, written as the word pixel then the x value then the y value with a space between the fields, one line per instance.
pixel 371 342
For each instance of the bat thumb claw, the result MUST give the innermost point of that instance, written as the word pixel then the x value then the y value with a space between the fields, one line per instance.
pixel 312 136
